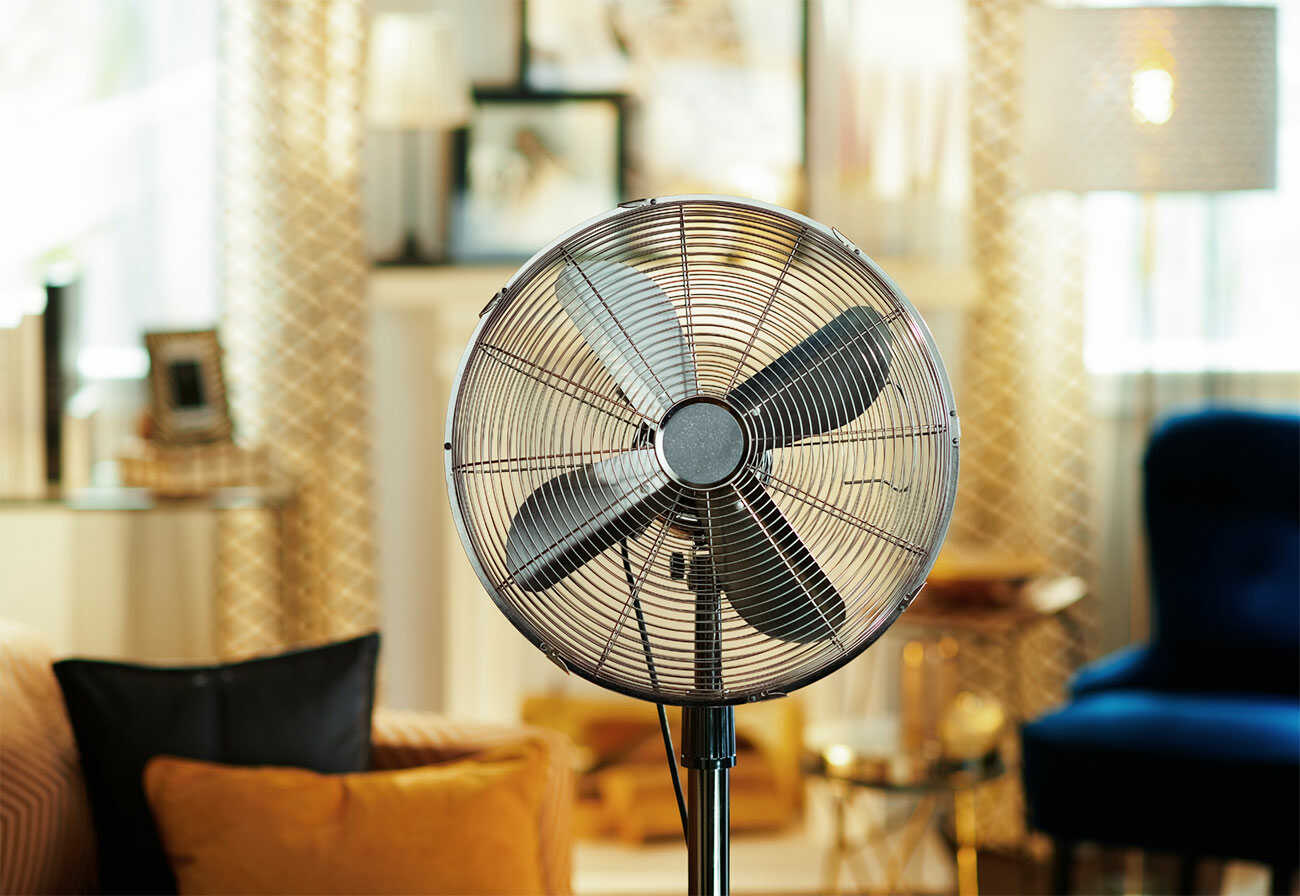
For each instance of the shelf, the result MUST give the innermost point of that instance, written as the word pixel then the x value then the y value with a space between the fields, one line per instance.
pixel 140 499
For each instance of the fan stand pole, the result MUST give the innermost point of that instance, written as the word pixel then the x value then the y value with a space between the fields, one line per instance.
pixel 708 753
pixel 708 747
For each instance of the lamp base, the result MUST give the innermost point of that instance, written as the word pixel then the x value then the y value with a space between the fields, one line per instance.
pixel 411 255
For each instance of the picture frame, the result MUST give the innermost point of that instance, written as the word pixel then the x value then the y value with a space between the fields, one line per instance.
pixel 529 165
pixel 721 88
pixel 187 387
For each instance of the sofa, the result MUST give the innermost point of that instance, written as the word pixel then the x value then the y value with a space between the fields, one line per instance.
pixel 47 842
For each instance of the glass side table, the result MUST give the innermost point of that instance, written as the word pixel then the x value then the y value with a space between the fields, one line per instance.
pixel 1020 652
pixel 934 783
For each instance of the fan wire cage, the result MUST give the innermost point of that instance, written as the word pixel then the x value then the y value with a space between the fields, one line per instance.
pixel 725 585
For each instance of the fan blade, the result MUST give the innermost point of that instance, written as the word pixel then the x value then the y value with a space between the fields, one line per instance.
pixel 570 519
pixel 822 383
pixel 767 573
pixel 630 324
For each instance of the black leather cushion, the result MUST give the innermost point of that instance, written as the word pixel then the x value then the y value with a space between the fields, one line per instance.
pixel 308 709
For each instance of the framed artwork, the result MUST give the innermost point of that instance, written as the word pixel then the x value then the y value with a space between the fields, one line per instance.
pixel 720 87
pixel 187 387
pixel 530 165
pixel 575 45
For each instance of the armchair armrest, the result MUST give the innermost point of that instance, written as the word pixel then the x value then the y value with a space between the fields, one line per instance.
pixel 403 738
pixel 1130 667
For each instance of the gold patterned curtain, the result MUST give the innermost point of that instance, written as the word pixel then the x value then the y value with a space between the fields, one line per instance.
pixel 1024 400
pixel 295 326
pixel 1024 404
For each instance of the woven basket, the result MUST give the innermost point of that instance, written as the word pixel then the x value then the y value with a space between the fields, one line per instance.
pixel 192 470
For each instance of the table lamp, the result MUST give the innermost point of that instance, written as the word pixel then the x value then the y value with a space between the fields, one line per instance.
pixel 416 83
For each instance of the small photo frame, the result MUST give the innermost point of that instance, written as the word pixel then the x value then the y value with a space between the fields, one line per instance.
pixel 187 387
pixel 529 166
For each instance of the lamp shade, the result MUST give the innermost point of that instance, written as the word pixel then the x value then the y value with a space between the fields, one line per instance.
pixel 416 80
pixel 1150 99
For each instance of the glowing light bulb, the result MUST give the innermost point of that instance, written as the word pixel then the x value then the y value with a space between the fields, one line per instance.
pixel 1152 95
pixel 839 755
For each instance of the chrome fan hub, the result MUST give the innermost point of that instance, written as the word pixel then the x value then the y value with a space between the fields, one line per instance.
pixel 702 443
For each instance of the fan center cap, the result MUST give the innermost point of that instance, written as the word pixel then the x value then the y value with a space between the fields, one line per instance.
pixel 701 442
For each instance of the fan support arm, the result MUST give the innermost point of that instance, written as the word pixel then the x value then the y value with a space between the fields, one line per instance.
pixel 708 753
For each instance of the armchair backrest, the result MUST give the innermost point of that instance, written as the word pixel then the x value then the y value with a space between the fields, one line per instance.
pixel 1222 497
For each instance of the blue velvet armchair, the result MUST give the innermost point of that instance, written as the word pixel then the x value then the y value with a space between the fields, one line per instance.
pixel 1191 744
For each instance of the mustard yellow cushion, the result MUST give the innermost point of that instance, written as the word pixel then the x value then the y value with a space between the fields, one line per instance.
pixel 465 827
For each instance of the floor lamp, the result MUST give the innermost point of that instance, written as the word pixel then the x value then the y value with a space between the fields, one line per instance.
pixel 416 83
pixel 1149 100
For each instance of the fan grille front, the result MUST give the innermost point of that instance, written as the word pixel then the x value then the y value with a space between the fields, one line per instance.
pixel 564 406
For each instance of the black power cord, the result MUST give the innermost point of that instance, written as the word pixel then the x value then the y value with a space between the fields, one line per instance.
pixel 654 683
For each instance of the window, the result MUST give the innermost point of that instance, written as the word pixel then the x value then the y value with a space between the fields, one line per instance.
pixel 109 166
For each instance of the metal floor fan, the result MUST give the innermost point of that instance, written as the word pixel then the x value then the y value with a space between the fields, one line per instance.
pixel 701 451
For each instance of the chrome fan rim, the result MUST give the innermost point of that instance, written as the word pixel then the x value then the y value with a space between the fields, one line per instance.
pixel 770 644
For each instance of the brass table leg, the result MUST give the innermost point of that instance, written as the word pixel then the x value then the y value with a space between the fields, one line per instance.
pixel 963 808
pixel 840 845
pixel 910 838
pixel 845 852
pixel 898 857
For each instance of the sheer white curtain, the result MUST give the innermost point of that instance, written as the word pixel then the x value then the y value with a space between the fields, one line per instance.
pixel 887 125
pixel 109 163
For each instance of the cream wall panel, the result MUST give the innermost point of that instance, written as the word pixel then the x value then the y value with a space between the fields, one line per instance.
pixel 115 585
pixel 35 585
pixel 408 500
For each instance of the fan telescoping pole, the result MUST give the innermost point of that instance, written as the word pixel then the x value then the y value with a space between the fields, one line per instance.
pixel 708 747
pixel 708 753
